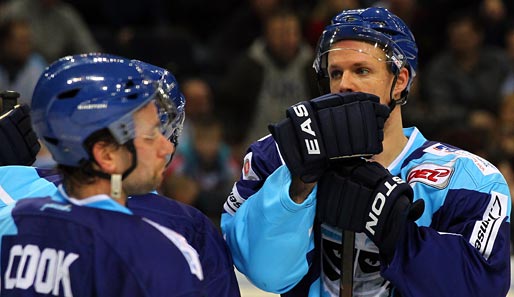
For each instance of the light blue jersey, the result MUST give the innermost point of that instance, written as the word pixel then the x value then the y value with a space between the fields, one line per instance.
pixel 22 181
pixel 460 246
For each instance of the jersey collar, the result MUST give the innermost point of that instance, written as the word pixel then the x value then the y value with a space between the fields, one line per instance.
pixel 416 139
pixel 101 201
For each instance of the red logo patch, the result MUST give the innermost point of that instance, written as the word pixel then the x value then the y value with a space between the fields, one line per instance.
pixel 431 174
pixel 246 167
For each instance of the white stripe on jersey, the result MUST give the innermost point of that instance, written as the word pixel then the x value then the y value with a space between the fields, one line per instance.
pixel 6 198
pixel 190 254
pixel 485 231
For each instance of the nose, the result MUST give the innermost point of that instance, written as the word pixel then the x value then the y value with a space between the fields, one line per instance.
pixel 167 148
pixel 346 83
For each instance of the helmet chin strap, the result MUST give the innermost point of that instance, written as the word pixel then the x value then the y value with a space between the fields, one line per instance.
pixel 116 186
pixel 116 178
pixel 402 101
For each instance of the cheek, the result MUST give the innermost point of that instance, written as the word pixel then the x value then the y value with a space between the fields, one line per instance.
pixel 144 152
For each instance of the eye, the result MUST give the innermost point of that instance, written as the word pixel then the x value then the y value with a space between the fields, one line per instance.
pixel 152 135
pixel 336 74
pixel 362 71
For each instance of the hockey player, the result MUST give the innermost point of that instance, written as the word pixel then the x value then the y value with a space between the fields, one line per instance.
pixel 430 219
pixel 200 233
pixel 107 125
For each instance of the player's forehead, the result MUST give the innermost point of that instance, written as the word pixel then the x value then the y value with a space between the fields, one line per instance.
pixel 355 51
pixel 146 116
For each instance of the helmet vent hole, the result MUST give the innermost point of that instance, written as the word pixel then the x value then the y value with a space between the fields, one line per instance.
pixel 68 94
pixel 129 84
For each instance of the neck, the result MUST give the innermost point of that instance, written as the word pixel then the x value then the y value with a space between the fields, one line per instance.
pixel 394 139
pixel 100 186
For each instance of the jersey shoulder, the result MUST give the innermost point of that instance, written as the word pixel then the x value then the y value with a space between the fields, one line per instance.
pixel 173 214
pixel 441 165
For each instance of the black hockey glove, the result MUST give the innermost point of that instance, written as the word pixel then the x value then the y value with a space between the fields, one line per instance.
pixel 365 197
pixel 332 126
pixel 19 144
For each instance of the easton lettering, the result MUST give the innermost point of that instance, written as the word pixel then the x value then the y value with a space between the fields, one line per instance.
pixel 312 145
pixel 378 204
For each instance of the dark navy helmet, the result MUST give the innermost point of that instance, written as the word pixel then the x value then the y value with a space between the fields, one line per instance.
pixel 374 25
pixel 79 95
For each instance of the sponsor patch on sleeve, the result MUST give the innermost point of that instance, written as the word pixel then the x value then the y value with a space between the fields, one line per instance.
pixel 434 175
pixel 483 165
pixel 234 201
pixel 247 171
pixel 440 149
pixel 485 231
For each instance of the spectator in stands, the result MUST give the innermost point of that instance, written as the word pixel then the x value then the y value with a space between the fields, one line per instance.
pixel 238 31
pixel 202 171
pixel 321 15
pixel 496 15
pixel 199 95
pixel 463 83
pixel 20 65
pixel 57 27
pixel 274 73
pixel 508 85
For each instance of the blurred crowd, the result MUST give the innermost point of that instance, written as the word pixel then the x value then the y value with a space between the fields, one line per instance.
pixel 240 63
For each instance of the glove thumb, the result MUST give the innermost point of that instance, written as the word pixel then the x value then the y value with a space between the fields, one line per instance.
pixel 416 210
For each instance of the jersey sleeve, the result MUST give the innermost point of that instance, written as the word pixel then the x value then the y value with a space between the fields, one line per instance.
pixel 270 235
pixel 462 242
pixel 18 182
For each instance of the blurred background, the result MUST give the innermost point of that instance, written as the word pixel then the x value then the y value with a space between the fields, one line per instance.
pixel 241 62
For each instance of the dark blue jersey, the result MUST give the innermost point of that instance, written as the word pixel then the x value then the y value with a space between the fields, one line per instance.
pixel 197 229
pixel 219 277
pixel 57 248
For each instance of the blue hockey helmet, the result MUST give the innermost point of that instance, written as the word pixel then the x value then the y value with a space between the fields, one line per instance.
pixel 79 95
pixel 374 25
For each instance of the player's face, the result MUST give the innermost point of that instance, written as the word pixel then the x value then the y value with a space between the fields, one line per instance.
pixel 356 66
pixel 153 151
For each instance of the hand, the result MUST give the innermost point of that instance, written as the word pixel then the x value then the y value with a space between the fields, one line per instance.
pixel 363 196
pixel 332 126
pixel 19 142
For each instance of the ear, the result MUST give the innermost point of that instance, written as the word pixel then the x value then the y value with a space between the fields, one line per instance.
pixel 401 82
pixel 105 156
